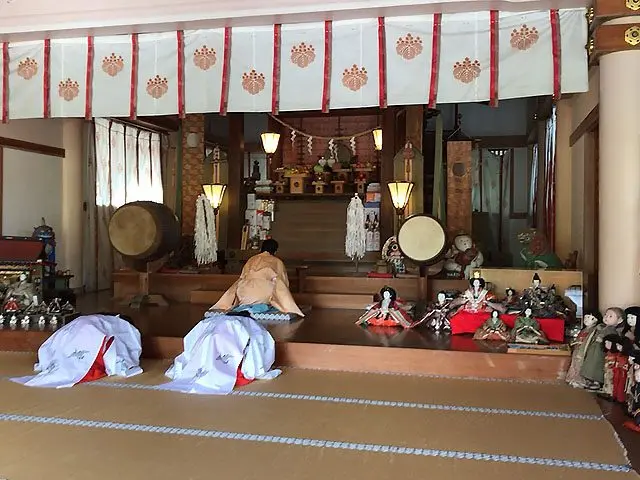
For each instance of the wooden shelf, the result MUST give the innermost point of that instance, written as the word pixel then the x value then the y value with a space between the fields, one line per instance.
pixel 303 196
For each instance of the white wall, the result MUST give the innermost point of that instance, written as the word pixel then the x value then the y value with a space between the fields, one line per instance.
pixel 32 189
pixel 36 186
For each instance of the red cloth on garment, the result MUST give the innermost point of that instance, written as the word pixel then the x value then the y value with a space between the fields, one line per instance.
pixel 620 370
pixel 98 369
pixel 241 380
pixel 468 322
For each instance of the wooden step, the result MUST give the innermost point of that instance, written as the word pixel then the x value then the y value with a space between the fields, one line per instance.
pixel 315 300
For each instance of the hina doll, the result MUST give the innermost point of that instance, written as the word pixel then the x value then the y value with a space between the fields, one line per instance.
pixel 593 364
pixel 621 371
pixel 437 315
pixel 592 321
pixel 477 299
pixel 527 330
pixel 387 312
pixel 493 329
pixel 609 346
pixel 633 399
pixel 511 302
pixel 631 315
pixel 11 306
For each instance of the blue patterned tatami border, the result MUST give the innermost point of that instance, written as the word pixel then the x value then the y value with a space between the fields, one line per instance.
pixel 375 403
pixel 308 442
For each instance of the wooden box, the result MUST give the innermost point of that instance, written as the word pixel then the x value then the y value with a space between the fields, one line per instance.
pixel 338 186
pixel 319 187
pixel 279 187
pixel 296 184
pixel 361 188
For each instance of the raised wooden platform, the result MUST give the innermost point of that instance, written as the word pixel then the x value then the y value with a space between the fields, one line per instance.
pixel 329 339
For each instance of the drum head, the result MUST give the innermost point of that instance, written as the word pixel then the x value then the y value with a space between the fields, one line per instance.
pixel 422 239
pixel 132 230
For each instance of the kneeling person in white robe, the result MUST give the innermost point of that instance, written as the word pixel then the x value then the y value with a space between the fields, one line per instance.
pixel 221 352
pixel 88 348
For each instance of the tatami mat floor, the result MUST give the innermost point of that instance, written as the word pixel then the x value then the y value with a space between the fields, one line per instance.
pixel 304 425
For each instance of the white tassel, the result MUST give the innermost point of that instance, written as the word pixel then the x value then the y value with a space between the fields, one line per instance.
pixel 206 250
pixel 352 144
pixel 354 243
pixel 310 145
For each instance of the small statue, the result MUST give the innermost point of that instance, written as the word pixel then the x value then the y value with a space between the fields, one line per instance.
pixel 387 312
pixel 527 330
pixel 22 291
pixel 593 364
pixel 621 371
pixel 610 355
pixel 633 399
pixel 536 252
pixel 463 257
pixel 437 315
pixel 631 315
pixel 511 302
pixel 13 321
pixel 11 306
pixel 54 306
pixel 492 329
pixel 393 256
pixel 477 298
pixel 579 345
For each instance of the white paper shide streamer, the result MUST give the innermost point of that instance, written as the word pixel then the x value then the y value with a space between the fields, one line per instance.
pixel 354 243
pixel 206 250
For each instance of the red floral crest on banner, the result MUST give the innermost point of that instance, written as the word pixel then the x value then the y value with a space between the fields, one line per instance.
pixel 525 38
pixel 355 78
pixel 253 82
pixel 466 71
pixel 157 86
pixel 204 58
pixel 28 68
pixel 303 55
pixel 112 65
pixel 68 89
pixel 409 47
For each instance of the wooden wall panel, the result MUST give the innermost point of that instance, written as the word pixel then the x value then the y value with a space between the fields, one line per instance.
pixel 459 208
pixel 192 170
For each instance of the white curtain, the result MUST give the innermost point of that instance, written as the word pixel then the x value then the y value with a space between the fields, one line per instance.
pixel 127 169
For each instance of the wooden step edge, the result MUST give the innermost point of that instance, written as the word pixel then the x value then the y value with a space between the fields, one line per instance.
pixel 315 300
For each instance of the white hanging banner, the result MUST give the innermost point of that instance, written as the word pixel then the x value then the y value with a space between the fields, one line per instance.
pixel 354 64
pixel 203 65
pixel 112 61
pixel 408 47
pixel 573 55
pixel 157 87
pixel 301 66
pixel 68 77
pixel 251 69
pixel 526 55
pixel 465 56
pixel 26 80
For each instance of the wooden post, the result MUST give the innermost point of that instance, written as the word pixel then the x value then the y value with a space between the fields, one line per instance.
pixel 236 197
pixel 414 128
pixel 459 208
pixel 387 213
pixel 301 272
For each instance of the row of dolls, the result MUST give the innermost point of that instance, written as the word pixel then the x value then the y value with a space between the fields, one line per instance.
pixel 606 358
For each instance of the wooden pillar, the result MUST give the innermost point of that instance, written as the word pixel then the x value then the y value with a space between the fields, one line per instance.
pixel 459 186
pixel 387 213
pixel 415 118
pixel 236 195
pixel 540 224
pixel 192 170
pixel 276 160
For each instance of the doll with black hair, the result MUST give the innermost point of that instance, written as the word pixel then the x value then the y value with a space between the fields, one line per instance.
pixel 527 329
pixel 633 392
pixel 477 299
pixel 511 302
pixel 609 345
pixel 592 321
pixel 437 314
pixel 386 312
pixel 621 370
pixel 493 329
pixel 629 330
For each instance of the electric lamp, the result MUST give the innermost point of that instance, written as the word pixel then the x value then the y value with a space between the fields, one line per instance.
pixel 215 193
pixel 377 139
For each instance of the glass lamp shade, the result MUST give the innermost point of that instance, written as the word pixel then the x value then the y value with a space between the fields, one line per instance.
pixel 214 192
pixel 377 138
pixel 400 193
pixel 270 142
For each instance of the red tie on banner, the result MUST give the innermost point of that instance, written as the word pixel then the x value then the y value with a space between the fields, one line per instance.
pixel 133 97
pixel 326 82
pixel 435 60
pixel 46 79
pixel 382 64
pixel 88 84
pixel 275 87
pixel 5 82
pixel 224 95
pixel 180 40
pixel 494 59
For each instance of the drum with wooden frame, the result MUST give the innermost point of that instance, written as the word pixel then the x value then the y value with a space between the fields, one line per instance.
pixel 423 240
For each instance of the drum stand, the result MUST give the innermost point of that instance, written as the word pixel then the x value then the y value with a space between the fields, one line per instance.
pixel 144 298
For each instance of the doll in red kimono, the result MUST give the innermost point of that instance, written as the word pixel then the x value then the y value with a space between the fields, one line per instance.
pixel 616 365
pixel 620 372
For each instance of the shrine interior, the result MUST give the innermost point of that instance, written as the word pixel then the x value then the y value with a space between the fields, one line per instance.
pixel 402 219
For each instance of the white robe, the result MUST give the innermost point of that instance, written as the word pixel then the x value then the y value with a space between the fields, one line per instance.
pixel 67 356
pixel 213 351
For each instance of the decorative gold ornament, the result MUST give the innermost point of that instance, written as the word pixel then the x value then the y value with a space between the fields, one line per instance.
pixel 591 46
pixel 632 36
pixel 633 5
pixel 591 14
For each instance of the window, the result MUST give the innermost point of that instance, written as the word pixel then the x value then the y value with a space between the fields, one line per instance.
pixel 127 164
